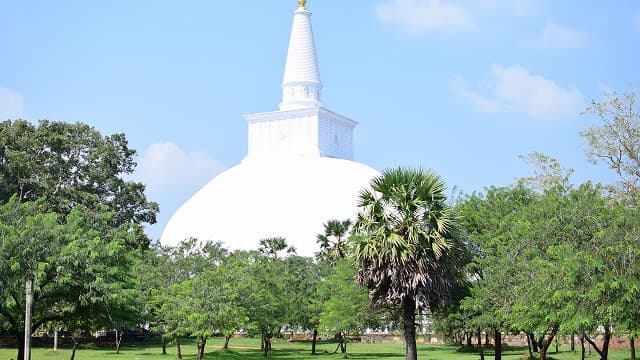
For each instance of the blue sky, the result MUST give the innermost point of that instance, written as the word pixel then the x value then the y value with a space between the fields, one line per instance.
pixel 459 86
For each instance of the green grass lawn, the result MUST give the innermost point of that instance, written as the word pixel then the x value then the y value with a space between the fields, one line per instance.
pixel 249 349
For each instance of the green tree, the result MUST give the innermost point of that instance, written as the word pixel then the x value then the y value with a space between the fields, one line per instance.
pixel 406 252
pixel 616 141
pixel 302 276
pixel 190 297
pixel 79 267
pixel 346 310
pixel 266 295
pixel 72 165
pixel 601 269
pixel 488 222
pixel 334 246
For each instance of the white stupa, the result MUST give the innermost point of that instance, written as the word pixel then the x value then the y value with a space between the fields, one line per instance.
pixel 298 172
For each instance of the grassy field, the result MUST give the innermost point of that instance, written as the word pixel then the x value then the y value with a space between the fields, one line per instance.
pixel 249 349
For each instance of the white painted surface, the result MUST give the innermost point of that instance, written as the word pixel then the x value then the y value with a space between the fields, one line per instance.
pixel 289 196
pixel 301 84
pixel 311 131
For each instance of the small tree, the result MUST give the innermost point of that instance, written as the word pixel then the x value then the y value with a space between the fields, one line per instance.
pixel 346 309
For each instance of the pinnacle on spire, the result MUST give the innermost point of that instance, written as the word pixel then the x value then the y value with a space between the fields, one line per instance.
pixel 301 84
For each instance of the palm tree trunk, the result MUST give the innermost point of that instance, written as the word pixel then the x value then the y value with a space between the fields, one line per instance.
pixel 409 324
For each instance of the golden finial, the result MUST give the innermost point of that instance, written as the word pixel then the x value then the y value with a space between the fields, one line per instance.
pixel 302 3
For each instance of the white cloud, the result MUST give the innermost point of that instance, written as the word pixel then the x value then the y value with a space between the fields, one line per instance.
pixel 513 7
pixel 515 89
pixel 459 87
pixel 164 166
pixel 424 15
pixel 555 36
pixel 11 105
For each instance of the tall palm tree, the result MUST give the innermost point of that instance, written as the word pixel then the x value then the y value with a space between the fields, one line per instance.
pixel 333 242
pixel 405 251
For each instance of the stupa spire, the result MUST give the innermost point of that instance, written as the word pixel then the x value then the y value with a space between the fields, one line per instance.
pixel 301 84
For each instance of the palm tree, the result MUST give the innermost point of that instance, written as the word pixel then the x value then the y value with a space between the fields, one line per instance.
pixel 271 247
pixel 333 242
pixel 405 251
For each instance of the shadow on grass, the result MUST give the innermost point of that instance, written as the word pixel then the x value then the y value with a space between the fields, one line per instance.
pixel 291 354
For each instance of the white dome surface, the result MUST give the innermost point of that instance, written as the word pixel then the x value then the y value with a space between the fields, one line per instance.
pixel 288 196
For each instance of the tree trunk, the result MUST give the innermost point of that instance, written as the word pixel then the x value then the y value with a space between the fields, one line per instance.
pixel 75 347
pixel 164 344
pixel 529 346
pixel 497 340
pixel 582 346
pixel 227 337
pixel 409 324
pixel 468 336
pixel 534 343
pixel 480 350
pixel 267 343
pixel 73 351
pixel 178 349
pixel 543 352
pixel 573 343
pixel 118 340
pixel 605 345
pixel 20 340
pixel 632 347
pixel 604 352
pixel 339 347
pixel 557 345
pixel 201 346
pixel 547 341
pixel 313 341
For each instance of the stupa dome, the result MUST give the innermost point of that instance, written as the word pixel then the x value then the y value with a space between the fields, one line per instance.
pixel 298 172
pixel 284 196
